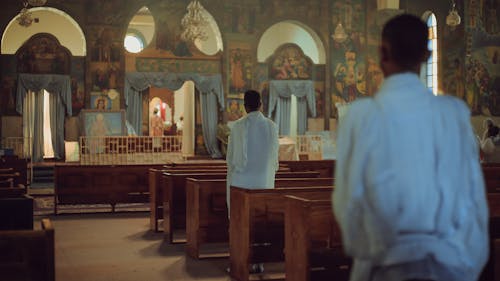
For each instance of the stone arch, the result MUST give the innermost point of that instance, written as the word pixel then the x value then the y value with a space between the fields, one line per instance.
pixel 291 32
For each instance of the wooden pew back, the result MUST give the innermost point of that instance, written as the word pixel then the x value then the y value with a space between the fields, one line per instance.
pixel 18 166
pixel 257 225
pixel 28 254
pixel 156 183
pixel 172 188
pixel 105 184
pixel 492 178
pixel 313 240
pixel 326 168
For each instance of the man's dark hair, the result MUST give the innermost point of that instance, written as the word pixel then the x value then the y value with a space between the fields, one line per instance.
pixel 252 100
pixel 407 36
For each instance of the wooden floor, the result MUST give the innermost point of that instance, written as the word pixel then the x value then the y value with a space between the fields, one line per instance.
pixel 119 247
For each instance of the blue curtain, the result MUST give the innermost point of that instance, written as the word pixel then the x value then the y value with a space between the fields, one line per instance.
pixel 38 129
pixel 280 92
pixel 57 125
pixel 58 85
pixel 209 86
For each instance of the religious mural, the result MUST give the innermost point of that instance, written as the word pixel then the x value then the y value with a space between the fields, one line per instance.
pixel 108 12
pixel 177 65
pixel 453 76
pixel 481 66
pixel 262 85
pixel 374 74
pixel 104 76
pixel 169 38
pixel 106 45
pixel 235 109
pixel 8 88
pixel 77 84
pixel 348 58
pixel 319 91
pixel 8 92
pixel 43 54
pixel 240 69
pixel 290 63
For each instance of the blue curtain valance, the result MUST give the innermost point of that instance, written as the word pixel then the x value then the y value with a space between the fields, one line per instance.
pixel 52 83
pixel 280 92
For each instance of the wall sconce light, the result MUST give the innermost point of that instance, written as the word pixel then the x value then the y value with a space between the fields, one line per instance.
pixel 453 19
pixel 339 35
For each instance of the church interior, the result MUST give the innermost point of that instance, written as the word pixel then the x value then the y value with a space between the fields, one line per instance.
pixel 115 118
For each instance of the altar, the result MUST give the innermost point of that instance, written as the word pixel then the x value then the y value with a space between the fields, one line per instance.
pixel 287 149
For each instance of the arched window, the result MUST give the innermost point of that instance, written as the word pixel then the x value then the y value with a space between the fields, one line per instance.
pixel 134 42
pixel 431 69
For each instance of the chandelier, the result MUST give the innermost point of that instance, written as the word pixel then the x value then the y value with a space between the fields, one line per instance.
pixel 25 16
pixel 37 3
pixel 194 23
pixel 453 19
pixel 339 35
pixel 25 19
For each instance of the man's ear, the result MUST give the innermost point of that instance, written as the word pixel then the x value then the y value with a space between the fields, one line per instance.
pixel 384 52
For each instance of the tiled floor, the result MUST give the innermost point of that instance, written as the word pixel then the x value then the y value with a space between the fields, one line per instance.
pixel 120 247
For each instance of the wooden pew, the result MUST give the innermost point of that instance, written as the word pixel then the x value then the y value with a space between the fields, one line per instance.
pixel 174 197
pixel 28 254
pixel 100 184
pixel 16 210
pixel 174 200
pixel 313 248
pixel 196 168
pixel 257 225
pixel 207 219
pixel 15 165
pixel 326 168
pixel 492 178
pixel 156 192
pixel 197 163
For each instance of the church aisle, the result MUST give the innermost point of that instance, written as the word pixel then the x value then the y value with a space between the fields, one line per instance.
pixel 120 247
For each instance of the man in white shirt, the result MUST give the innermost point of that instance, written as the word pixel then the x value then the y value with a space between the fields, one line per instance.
pixel 409 194
pixel 252 151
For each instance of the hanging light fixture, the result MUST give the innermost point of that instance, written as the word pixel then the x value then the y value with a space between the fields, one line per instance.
pixel 453 19
pixel 25 16
pixel 339 35
pixel 36 3
pixel 25 19
pixel 194 23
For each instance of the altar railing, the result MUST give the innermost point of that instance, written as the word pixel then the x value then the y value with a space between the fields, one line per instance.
pixel 20 146
pixel 309 147
pixel 124 150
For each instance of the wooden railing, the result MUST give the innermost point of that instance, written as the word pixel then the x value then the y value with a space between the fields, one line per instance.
pixel 123 150
pixel 21 146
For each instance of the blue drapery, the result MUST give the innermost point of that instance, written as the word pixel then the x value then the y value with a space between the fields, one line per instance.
pixel 209 86
pixel 280 92
pixel 55 84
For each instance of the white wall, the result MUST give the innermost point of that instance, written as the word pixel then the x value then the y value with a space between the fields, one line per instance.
pixel 291 32
pixel 52 21
pixel 214 42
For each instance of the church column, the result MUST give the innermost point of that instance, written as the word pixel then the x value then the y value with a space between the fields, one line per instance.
pixel 188 123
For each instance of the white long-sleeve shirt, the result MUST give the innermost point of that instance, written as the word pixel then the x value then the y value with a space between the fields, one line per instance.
pixel 252 152
pixel 408 181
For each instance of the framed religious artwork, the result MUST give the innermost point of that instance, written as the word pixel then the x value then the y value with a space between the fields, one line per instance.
pixel 100 101
pixel 103 123
pixel 240 70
